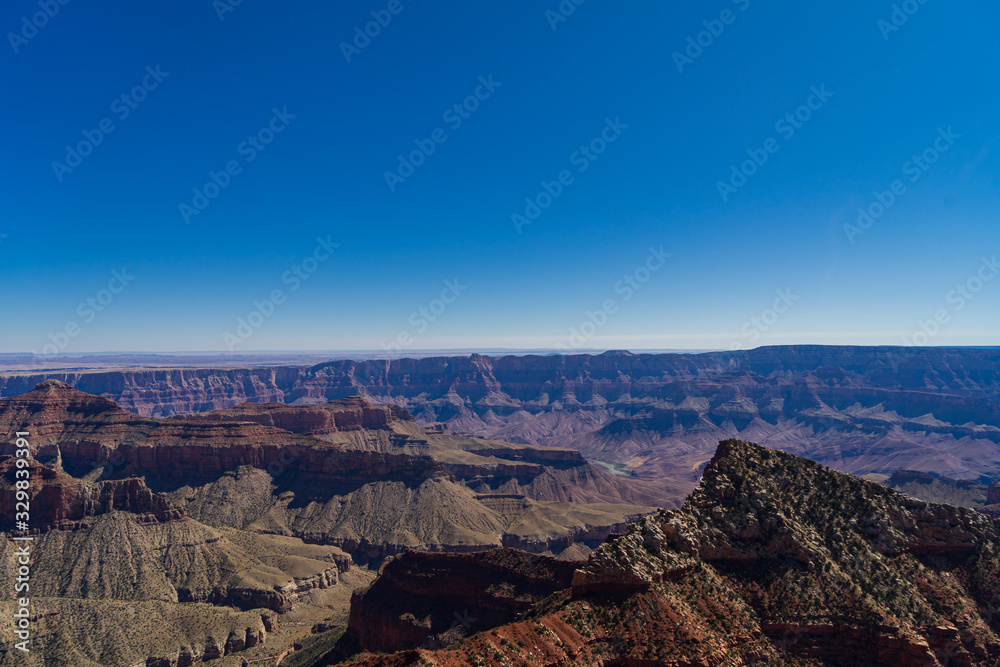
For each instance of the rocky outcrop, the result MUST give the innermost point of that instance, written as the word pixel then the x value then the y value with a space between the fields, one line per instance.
pixel 321 580
pixel 85 433
pixel 424 599
pixel 239 598
pixel 772 559
pixel 757 515
pixel 757 509
pixel 993 493
pixel 59 501
pixel 187 656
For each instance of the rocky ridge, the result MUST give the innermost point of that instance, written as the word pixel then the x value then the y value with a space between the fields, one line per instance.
pixel 772 558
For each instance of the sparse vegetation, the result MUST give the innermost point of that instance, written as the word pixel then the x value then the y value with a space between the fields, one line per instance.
pixel 768 547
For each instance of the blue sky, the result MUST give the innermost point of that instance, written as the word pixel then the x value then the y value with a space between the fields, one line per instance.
pixel 771 262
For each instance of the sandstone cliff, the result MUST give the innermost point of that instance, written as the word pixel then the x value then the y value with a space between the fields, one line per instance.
pixel 60 501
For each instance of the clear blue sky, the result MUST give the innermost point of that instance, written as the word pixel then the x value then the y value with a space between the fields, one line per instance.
pixel 656 185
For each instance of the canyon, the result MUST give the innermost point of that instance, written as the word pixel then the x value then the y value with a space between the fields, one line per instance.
pixel 238 516
pixel 649 417
pixel 537 510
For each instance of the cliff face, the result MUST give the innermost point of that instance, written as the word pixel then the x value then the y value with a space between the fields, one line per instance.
pixel 86 433
pixel 60 500
pixel 773 558
pixel 322 473
pixel 431 600
pixel 163 393
pixel 117 539
pixel 115 565
pixel 914 380
pixel 993 493
pixel 247 509
pixel 348 414
pixel 857 409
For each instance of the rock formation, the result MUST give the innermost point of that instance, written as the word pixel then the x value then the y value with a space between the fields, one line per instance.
pixel 60 500
pixel 773 559
pixel 431 600
pixel 358 476
pixel 656 416
pixel 199 519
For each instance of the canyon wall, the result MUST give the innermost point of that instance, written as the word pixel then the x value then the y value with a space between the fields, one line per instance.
pixel 654 417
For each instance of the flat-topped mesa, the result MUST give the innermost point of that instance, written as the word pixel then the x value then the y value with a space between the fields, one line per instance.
pixel 86 432
pixel 346 414
pixel 56 415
